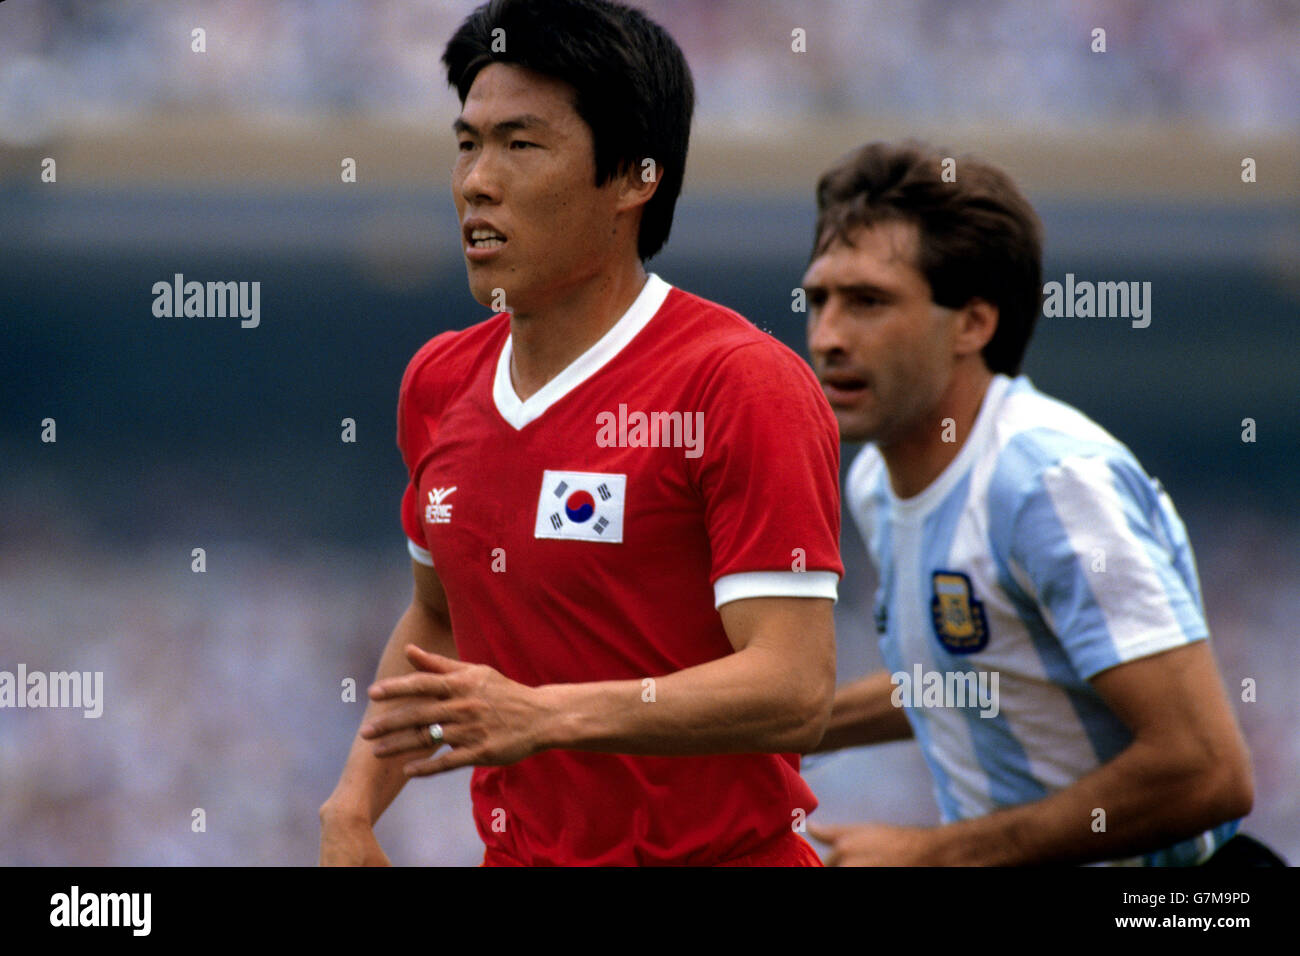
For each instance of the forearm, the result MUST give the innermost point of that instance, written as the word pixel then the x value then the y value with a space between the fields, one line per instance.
pixel 750 701
pixel 369 784
pixel 864 713
pixel 1150 799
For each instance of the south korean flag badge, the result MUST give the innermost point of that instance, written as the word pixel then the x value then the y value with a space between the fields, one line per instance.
pixel 581 506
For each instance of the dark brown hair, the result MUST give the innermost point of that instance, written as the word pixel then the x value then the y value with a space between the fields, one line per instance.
pixel 980 237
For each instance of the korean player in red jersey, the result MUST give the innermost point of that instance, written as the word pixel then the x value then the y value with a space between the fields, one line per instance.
pixel 623 508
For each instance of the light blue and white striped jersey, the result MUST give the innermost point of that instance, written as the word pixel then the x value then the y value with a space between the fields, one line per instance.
pixel 1042 555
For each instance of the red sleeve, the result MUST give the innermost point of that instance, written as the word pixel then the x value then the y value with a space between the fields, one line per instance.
pixel 419 403
pixel 769 469
pixel 411 523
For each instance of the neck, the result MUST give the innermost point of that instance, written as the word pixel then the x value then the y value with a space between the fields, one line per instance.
pixel 918 457
pixel 546 340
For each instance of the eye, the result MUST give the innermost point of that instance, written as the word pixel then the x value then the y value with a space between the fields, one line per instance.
pixel 465 145
pixel 865 300
pixel 521 144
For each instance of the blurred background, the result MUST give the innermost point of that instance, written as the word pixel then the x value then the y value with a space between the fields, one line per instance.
pixel 223 689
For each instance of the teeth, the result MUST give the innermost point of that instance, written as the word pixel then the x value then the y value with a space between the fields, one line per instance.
pixel 486 238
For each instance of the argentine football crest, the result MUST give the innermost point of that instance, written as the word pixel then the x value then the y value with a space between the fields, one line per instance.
pixel 959 620
pixel 581 506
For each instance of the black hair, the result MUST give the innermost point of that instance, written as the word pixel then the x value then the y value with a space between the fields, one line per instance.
pixel 633 87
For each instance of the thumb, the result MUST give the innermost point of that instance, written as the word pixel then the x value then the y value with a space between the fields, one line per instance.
pixel 428 661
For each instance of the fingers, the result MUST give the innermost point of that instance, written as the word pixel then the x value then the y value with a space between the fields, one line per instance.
pixel 421 684
pixel 828 833
pixel 448 692
pixel 825 832
pixel 414 716
pixel 433 663
pixel 417 738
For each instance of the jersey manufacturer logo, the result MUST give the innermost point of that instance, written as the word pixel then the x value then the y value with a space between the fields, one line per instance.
pixel 581 506
pixel 959 621
pixel 437 512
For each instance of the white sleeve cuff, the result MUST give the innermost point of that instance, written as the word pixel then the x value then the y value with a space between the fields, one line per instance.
pixel 752 584
pixel 419 554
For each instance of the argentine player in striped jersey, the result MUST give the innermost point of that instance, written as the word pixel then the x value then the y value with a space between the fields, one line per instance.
pixel 1038 610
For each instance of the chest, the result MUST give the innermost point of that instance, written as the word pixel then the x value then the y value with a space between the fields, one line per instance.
pixel 939 596
pixel 563 496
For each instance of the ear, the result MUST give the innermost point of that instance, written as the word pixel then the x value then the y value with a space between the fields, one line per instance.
pixel 638 183
pixel 977 320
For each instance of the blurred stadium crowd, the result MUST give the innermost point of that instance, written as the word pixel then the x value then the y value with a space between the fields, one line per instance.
pixel 74 62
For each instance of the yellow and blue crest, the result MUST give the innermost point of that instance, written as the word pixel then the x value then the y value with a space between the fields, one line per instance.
pixel 959 621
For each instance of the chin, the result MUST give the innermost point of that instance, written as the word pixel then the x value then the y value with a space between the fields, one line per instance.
pixel 481 289
pixel 854 429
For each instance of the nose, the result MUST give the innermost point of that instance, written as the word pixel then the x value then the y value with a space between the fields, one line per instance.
pixel 826 330
pixel 482 181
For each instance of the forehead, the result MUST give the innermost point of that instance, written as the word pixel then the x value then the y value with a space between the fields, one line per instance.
pixel 884 252
pixel 501 88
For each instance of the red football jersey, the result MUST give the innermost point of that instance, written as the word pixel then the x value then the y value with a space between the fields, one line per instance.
pixel 590 533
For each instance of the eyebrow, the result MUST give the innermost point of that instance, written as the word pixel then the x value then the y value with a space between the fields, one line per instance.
pixel 852 288
pixel 515 123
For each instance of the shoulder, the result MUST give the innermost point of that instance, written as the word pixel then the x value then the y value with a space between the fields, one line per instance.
pixel 449 358
pixel 721 342
pixel 1035 434
pixel 434 375
pixel 1050 452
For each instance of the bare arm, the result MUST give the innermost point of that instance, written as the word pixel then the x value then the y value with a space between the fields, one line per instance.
pixel 1186 771
pixel 369 784
pixel 864 713
pixel 772 695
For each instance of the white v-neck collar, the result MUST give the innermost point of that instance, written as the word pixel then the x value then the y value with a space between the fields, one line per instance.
pixel 519 413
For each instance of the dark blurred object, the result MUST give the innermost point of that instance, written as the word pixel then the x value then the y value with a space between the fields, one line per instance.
pixel 1242 851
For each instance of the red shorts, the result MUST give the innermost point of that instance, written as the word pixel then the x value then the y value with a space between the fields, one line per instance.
pixel 789 849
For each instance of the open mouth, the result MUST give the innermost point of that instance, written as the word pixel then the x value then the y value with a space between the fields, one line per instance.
pixel 485 238
pixel 842 388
